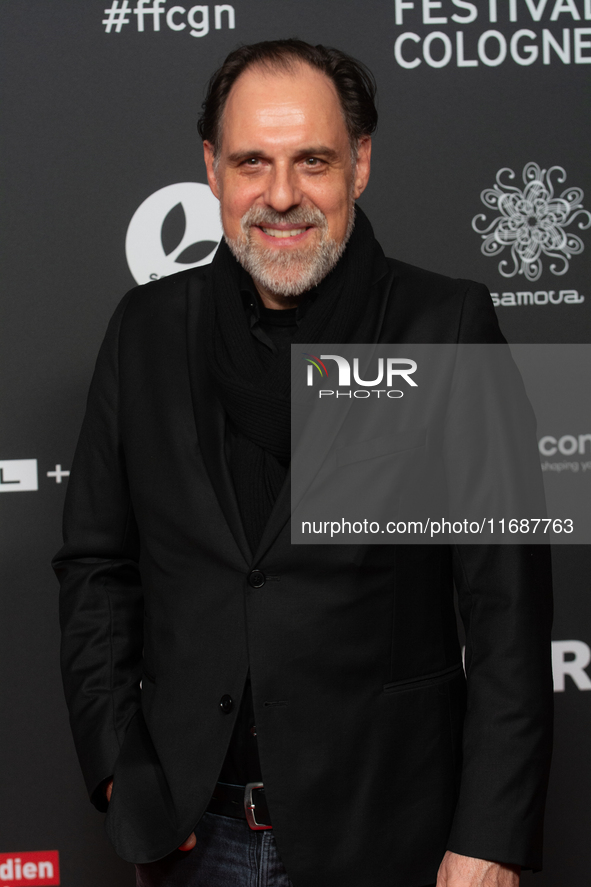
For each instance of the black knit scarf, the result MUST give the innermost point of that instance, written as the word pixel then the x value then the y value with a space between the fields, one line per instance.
pixel 254 387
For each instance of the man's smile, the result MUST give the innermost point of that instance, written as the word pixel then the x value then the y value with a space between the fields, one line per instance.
pixel 288 252
pixel 293 235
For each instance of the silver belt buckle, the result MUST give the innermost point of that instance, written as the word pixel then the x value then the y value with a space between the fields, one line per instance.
pixel 249 807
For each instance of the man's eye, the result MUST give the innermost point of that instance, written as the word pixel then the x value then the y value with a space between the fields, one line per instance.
pixel 312 161
pixel 252 161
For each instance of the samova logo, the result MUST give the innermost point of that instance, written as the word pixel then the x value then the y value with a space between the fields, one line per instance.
pixel 175 228
pixel 532 221
pixel 390 370
pixel 37 867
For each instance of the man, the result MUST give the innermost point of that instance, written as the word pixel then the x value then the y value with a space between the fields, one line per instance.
pixel 331 674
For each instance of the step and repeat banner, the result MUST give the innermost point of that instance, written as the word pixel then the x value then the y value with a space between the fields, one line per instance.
pixel 481 170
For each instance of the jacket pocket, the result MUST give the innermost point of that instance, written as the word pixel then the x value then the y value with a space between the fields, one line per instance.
pixel 427 680
pixel 381 446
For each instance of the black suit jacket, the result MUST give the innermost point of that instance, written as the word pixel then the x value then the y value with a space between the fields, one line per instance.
pixel 376 753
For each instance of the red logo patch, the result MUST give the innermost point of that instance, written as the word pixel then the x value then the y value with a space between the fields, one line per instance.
pixel 38 867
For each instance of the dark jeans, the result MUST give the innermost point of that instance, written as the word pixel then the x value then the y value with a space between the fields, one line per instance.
pixel 227 854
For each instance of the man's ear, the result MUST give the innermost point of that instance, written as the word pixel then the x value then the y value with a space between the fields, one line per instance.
pixel 208 156
pixel 363 167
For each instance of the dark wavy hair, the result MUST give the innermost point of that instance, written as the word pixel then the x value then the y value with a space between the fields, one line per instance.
pixel 353 81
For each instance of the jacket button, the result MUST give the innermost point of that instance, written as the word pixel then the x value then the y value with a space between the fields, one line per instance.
pixel 257 579
pixel 226 704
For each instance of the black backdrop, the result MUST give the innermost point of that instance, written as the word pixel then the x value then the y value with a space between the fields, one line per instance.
pixel 100 115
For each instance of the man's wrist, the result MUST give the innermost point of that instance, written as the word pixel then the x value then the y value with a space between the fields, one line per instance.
pixel 469 871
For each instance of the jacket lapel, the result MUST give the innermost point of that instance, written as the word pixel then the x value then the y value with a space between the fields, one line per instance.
pixel 210 420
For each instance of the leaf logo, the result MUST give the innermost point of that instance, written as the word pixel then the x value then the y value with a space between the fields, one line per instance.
pixel 175 228
pixel 172 234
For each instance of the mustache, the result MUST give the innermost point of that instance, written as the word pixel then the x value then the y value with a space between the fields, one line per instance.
pixel 298 215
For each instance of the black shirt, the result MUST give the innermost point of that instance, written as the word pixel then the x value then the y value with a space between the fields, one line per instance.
pixel 274 329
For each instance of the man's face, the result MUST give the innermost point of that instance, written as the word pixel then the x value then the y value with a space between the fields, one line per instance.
pixel 285 178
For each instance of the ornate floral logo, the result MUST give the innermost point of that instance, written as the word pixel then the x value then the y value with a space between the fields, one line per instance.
pixel 532 221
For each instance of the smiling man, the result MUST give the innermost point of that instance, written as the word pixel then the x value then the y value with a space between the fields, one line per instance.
pixel 254 712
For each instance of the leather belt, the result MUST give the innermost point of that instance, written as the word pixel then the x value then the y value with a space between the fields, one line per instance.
pixel 242 802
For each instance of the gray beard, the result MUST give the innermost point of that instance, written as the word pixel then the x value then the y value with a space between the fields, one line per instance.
pixel 288 272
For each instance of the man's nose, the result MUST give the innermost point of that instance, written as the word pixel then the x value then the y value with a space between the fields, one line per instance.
pixel 283 192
